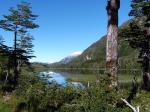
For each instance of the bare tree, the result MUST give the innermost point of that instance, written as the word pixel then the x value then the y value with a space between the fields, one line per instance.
pixel 111 45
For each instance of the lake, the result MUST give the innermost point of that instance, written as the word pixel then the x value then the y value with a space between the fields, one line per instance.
pixel 65 78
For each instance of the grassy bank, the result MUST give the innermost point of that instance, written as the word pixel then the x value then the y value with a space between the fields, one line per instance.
pixel 93 77
pixel 82 78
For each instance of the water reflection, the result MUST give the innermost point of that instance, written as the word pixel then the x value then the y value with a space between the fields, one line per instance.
pixel 59 78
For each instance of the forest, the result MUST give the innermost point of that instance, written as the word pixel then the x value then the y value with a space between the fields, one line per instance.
pixel 124 50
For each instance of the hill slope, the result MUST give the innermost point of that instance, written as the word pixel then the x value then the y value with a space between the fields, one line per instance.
pixel 94 55
pixel 69 58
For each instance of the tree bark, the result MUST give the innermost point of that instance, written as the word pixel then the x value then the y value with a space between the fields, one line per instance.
pixel 111 45
pixel 15 60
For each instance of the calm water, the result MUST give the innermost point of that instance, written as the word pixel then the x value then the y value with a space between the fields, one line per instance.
pixel 76 79
pixel 59 78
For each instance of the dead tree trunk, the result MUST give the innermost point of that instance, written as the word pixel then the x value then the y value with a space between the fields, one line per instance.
pixel 111 45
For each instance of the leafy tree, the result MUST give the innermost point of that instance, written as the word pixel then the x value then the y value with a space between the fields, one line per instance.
pixel 111 47
pixel 138 35
pixel 18 21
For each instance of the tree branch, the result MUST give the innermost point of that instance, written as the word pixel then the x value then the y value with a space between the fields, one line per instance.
pixel 135 109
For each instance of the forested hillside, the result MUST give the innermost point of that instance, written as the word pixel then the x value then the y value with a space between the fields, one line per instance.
pixel 94 55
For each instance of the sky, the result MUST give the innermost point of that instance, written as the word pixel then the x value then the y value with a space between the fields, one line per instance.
pixel 66 26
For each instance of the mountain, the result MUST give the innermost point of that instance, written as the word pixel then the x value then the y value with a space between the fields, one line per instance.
pixel 94 55
pixel 65 61
pixel 69 58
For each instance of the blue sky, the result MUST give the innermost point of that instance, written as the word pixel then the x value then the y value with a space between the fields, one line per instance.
pixel 66 26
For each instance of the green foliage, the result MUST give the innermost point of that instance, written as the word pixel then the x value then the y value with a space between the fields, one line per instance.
pixel 140 8
pixel 25 43
pixel 96 98
pixel 33 95
pixel 48 98
pixel 138 35
pixel 134 34
pixel 18 21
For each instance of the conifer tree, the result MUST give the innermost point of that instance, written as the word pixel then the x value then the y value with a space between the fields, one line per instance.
pixel 138 35
pixel 25 49
pixel 18 21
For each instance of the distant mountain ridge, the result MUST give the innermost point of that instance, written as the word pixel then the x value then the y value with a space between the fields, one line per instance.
pixel 94 55
pixel 69 58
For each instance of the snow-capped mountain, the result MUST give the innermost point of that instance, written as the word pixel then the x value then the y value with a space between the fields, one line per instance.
pixel 70 57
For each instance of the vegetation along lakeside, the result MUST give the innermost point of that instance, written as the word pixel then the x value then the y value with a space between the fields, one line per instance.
pixel 111 75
